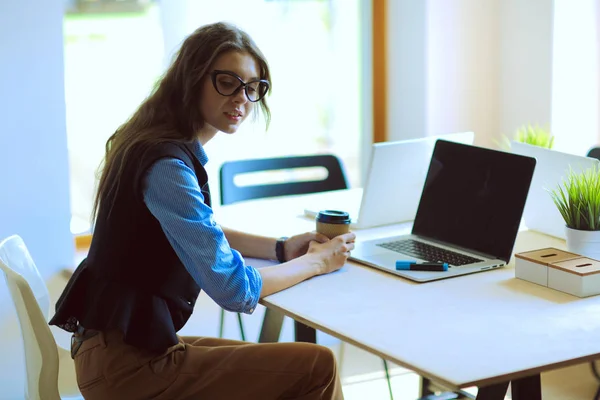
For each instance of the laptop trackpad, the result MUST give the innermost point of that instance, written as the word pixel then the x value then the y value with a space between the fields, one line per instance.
pixel 385 259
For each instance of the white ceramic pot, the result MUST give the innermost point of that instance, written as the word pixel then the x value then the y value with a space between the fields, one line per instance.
pixel 586 243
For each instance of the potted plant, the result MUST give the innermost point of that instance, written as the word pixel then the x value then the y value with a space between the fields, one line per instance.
pixel 530 134
pixel 578 200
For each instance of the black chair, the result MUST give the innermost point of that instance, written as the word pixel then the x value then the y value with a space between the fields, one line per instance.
pixel 231 193
pixel 594 153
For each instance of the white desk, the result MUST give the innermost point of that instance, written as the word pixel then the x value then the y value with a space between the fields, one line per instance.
pixel 484 329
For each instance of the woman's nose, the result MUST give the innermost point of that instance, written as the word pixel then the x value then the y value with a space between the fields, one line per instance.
pixel 240 97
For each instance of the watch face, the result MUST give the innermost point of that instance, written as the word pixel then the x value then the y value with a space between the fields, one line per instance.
pixel 279 252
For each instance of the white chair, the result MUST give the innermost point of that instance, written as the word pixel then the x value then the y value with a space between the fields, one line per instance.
pixel 50 369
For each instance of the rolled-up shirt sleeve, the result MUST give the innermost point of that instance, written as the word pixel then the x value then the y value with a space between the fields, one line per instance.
pixel 173 196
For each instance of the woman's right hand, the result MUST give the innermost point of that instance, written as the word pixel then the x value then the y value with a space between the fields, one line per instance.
pixel 334 253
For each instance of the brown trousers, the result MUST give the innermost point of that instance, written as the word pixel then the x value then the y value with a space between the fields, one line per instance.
pixel 205 369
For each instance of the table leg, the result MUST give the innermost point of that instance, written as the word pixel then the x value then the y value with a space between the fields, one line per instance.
pixel 305 333
pixel 425 389
pixel 529 388
pixel 271 326
pixel 493 392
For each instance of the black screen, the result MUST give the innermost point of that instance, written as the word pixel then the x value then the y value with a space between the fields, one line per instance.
pixel 474 197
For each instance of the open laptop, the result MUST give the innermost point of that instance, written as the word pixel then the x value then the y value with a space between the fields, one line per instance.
pixel 393 185
pixel 468 215
pixel 541 214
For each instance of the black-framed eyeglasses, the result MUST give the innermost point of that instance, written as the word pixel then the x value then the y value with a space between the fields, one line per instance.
pixel 227 83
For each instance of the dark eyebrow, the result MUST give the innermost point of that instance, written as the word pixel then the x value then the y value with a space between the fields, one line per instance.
pixel 254 78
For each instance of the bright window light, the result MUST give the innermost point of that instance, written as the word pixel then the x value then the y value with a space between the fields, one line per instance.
pixel 575 105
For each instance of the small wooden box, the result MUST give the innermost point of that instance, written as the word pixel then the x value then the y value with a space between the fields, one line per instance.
pixel 579 277
pixel 533 265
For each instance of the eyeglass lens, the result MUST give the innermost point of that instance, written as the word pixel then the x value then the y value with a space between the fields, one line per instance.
pixel 228 85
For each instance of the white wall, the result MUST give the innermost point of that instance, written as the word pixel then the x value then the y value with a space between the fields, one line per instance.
pixel 34 166
pixel 458 65
pixel 366 26
pixel 576 100
pixel 33 160
pixel 526 63
pixel 407 69
pixel 463 57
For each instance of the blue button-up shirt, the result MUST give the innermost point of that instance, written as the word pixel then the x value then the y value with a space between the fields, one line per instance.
pixel 173 196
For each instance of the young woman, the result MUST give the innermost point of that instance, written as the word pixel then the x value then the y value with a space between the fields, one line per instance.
pixel 156 245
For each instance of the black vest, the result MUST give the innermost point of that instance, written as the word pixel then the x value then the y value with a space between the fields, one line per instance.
pixel 132 279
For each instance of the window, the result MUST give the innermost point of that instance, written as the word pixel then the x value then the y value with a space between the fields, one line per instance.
pixel 313 48
pixel 575 86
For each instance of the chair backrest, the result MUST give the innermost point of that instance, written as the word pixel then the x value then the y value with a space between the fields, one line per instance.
pixel 594 153
pixel 30 296
pixel 231 193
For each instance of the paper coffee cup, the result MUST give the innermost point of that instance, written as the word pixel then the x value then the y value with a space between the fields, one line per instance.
pixel 332 223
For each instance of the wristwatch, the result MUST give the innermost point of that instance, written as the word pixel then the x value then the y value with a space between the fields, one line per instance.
pixel 279 250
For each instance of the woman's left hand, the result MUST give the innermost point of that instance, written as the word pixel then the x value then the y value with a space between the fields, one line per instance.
pixel 296 246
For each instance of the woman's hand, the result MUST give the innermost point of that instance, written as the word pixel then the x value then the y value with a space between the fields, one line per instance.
pixel 323 256
pixel 297 246
pixel 333 253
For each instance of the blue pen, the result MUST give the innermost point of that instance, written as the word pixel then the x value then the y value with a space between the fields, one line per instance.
pixel 411 265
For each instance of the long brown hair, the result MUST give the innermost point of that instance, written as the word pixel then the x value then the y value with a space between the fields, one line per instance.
pixel 172 111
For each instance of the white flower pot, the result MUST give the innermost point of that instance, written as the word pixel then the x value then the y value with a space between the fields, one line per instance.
pixel 586 243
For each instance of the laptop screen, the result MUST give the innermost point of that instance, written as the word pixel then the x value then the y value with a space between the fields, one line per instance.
pixel 473 198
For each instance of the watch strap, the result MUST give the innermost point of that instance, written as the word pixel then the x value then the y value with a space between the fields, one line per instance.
pixel 280 250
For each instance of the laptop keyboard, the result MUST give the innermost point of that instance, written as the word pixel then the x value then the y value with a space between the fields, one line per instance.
pixel 428 252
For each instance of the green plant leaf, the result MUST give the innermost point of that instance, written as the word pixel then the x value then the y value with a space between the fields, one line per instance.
pixel 577 198
pixel 534 135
